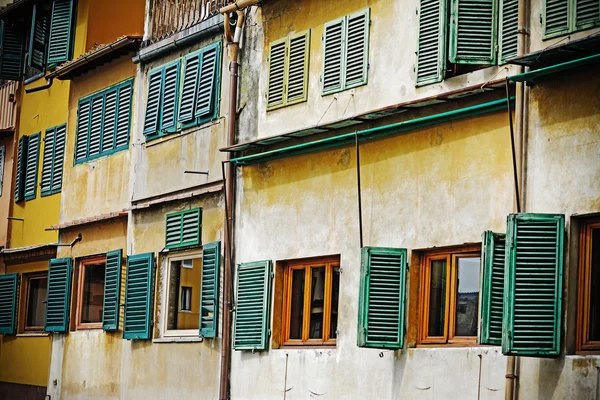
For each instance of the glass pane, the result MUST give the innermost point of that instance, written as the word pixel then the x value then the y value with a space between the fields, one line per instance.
pixel 35 308
pixel 317 301
pixel 594 329
pixel 184 294
pixel 437 298
pixel 92 300
pixel 467 296
pixel 335 293
pixel 297 310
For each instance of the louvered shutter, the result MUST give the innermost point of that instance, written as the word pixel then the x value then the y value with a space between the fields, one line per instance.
pixel 277 74
pixel 170 98
pixel 509 24
pixel 112 291
pixel 12 52
pixel 252 306
pixel 492 288
pixel 59 158
pixel 83 128
pixel 556 17
pixel 59 295
pixel 382 297
pixel 297 68
pixel 38 38
pixel 2 162
pixel 431 55
pixel 20 169
pixel 189 88
pixel 110 120
pixel 333 57
pixel 9 284
pixel 153 102
pixel 473 32
pixel 533 275
pixel 48 161
pixel 137 320
pixel 209 296
pixel 61 31
pixel 356 54
pixel 31 169
pixel 123 116
pixel 587 13
pixel 96 117
pixel 205 101
pixel 183 228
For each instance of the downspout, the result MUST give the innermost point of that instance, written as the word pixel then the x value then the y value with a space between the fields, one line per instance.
pixel 42 87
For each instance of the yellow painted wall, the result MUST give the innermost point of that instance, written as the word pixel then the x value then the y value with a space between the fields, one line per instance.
pixel 7 193
pixel 126 19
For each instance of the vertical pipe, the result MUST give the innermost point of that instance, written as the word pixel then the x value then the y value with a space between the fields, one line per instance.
pixel 360 221
pixel 514 155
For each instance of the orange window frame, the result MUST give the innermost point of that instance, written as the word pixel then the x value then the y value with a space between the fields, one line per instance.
pixel 80 276
pixel 326 339
pixel 451 257
pixel 24 306
pixel 584 344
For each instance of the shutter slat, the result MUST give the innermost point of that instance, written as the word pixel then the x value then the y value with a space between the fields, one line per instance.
pixel 209 296
pixel 556 21
pixel 276 77
pixel 357 45
pixel 169 100
pixel 492 288
pixel 59 295
pixel 509 20
pixel 123 116
pixel 137 318
pixel 333 56
pixel 112 291
pixel 431 47
pixel 61 31
pixel 153 103
pixel 587 13
pixel 32 165
pixel 83 125
pixel 48 161
pixel 110 120
pixel 58 158
pixel 473 32
pixel 189 88
pixel 95 131
pixel 207 83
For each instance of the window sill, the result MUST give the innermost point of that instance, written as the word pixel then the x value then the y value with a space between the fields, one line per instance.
pixel 33 334
pixel 178 339
pixel 155 140
pixel 451 345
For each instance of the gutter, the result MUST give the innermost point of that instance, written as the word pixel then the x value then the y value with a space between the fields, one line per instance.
pixel 532 76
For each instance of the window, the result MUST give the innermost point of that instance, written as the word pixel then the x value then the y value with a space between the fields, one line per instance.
pixel 36 289
pixel 346 52
pixel 27 167
pixel 137 313
pixel 103 122
pixel 568 16
pixel 288 70
pixel 183 229
pixel 183 93
pixel 54 154
pixel 90 296
pixel 449 296
pixel 458 36
pixel 311 293
pixel 589 287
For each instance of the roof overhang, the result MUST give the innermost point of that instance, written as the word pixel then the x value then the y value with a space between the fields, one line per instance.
pixel 22 255
pixel 89 220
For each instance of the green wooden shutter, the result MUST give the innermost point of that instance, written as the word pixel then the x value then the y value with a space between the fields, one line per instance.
pixel 297 68
pixel 9 284
pixel 509 24
pixel 205 101
pixel 356 54
pixel 110 121
pixel 169 98
pixel 59 295
pixel 112 291
pixel 431 55
pixel 31 169
pixel 252 306
pixel 12 53
pixel 587 13
pixel 59 158
pixel 96 122
pixel 492 288
pixel 48 162
pixel 20 169
pixel 277 74
pixel 38 39
pixel 153 102
pixel 209 296
pixel 333 56
pixel 61 31
pixel 382 297
pixel 183 228
pixel 83 128
pixel 556 17
pixel 189 88
pixel 137 320
pixel 473 29
pixel 533 275
pixel 123 116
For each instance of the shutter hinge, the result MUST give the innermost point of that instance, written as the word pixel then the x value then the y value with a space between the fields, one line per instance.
pixel 269 332
pixel 272 275
pixel 541 19
pixel 407 267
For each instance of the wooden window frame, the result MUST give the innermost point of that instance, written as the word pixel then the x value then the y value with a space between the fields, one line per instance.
pixel 24 305
pixel 451 255
pixel 584 345
pixel 329 263
pixel 80 276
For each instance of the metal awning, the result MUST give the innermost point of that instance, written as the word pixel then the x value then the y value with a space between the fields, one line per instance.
pixel 537 74
pixel 560 53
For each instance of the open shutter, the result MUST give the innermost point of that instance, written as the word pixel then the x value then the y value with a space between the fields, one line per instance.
pixel 356 56
pixel 153 102
pixel 297 70
pixel 252 306
pixel 59 158
pixel 83 126
pixel 12 52
pixel 48 162
pixel 492 288
pixel 137 320
pixel 123 116
pixel 112 291
pixel 59 295
pixel 31 169
pixel 2 162
pixel 473 32
pixel 381 300
pixel 533 275
pixel 38 39
pixel 432 42
pixel 556 17
pixel 205 101
pixel 189 88
pixel 333 57
pixel 587 13
pixel 96 122
pixel 509 24
pixel 183 228
pixel 9 284
pixel 61 31
pixel 110 121
pixel 170 97
pixel 209 297
pixel 20 169
pixel 277 74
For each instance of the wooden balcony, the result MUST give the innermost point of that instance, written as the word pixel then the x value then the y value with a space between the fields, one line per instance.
pixel 8 93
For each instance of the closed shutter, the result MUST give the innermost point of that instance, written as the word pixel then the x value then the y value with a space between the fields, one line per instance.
pixel 31 169
pixel 48 161
pixel 431 54
pixel 20 169
pixel 382 297
pixel 153 102
pixel 587 13
pixel 2 163
pixel 59 158
pixel 112 291
pixel 297 68
pixel 170 97
pixel 252 306
pixel 209 297
pixel 123 116
pixel 12 53
pixel 83 126
pixel 38 39
pixel 533 297
pixel 205 101
pixel 556 17
pixel 356 55
pixel 189 88
pixel 61 31
pixel 509 24
pixel 183 228
pixel 333 57
pixel 110 121
pixel 277 74
pixel 492 288
pixel 137 320
pixel 473 32
pixel 96 118
pixel 59 295
pixel 9 284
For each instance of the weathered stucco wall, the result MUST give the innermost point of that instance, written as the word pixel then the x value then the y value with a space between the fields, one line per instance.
pixel 126 19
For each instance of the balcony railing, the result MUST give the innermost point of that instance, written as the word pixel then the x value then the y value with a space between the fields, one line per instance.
pixel 7 105
pixel 172 16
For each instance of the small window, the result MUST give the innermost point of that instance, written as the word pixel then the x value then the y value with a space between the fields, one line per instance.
pixel 36 288
pixel 449 298
pixel 184 278
pixel 186 298
pixel 589 287
pixel 311 300
pixel 90 298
